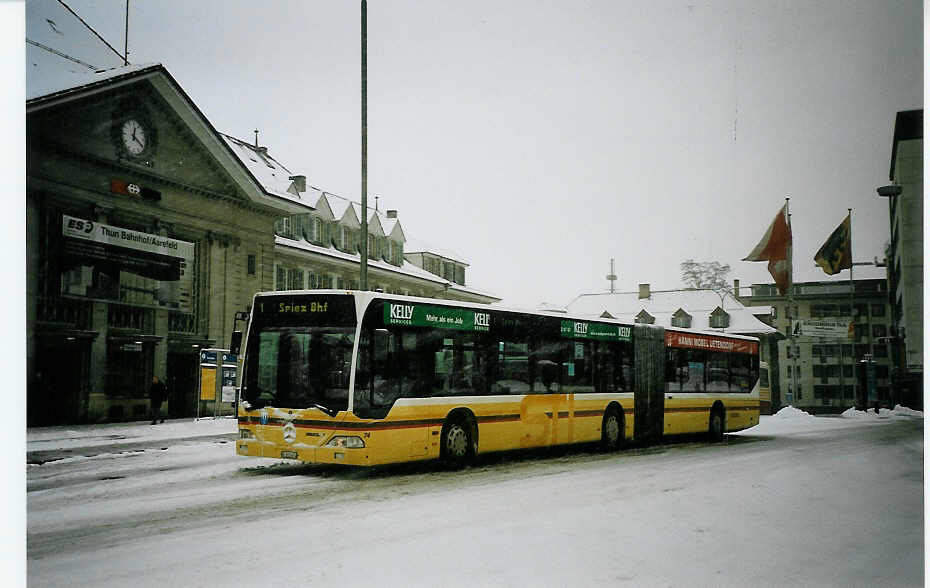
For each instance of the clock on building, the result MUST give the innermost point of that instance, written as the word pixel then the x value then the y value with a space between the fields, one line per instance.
pixel 133 134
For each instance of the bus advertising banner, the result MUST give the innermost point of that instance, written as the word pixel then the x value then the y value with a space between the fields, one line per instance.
pixel 696 341
pixel 105 261
pixel 417 315
pixel 586 330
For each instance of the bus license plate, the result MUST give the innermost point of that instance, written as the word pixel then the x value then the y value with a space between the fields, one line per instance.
pixel 288 455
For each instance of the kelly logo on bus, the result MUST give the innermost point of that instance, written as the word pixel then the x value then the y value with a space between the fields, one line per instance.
pixel 401 312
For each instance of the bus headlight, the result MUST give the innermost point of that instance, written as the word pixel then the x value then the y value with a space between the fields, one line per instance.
pixel 347 442
pixel 246 434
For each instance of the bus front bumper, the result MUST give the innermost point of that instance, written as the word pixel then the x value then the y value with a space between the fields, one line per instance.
pixel 303 453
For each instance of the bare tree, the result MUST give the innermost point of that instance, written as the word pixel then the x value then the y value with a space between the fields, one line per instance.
pixel 707 275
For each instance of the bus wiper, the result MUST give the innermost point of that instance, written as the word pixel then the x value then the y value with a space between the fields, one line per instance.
pixel 328 411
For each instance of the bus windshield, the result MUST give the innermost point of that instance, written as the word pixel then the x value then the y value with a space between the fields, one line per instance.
pixel 298 358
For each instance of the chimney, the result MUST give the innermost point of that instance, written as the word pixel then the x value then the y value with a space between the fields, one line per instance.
pixel 736 289
pixel 392 214
pixel 299 183
pixel 644 291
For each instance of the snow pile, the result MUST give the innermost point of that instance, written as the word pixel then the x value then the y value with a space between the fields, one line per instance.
pixel 853 413
pixel 790 412
pixel 883 413
pixel 906 412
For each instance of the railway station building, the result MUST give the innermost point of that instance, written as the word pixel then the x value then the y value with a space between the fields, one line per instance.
pixel 148 231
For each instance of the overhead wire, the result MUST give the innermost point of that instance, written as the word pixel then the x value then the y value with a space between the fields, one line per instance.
pixel 60 54
pixel 125 58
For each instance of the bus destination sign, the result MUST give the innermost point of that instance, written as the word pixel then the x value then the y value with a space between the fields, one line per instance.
pixel 416 315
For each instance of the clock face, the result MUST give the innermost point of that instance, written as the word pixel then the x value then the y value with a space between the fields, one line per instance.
pixel 134 139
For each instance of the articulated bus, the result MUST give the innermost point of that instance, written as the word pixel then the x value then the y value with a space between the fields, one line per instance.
pixel 366 378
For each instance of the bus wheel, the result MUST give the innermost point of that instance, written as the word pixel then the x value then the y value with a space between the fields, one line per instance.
pixel 612 430
pixel 455 448
pixel 716 427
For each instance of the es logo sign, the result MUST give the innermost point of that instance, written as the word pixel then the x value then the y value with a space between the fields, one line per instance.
pixel 76 224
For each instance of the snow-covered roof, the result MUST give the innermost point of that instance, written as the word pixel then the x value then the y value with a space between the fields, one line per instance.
pixel 407 269
pixel 273 177
pixel 46 88
pixel 231 153
pixel 624 306
pixel 418 246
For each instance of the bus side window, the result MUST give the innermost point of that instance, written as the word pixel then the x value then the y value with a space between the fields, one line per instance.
pixel 673 370
pixel 693 366
pixel 547 361
pixel 625 375
pixel 512 375
pixel 718 371
pixel 578 368
pixel 741 379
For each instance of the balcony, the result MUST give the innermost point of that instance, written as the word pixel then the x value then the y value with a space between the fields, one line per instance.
pixel 65 313
pixel 182 323
pixel 131 318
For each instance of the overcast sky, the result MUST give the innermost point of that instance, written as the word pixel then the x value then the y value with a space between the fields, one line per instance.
pixel 538 139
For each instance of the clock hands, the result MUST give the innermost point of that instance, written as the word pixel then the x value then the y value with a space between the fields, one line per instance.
pixel 134 138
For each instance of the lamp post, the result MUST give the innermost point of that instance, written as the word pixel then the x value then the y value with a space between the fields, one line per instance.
pixel 895 341
pixel 363 244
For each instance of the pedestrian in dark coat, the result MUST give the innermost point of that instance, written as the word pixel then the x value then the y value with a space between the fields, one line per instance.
pixel 157 394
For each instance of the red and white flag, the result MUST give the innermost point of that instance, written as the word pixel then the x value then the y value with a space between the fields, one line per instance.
pixel 774 248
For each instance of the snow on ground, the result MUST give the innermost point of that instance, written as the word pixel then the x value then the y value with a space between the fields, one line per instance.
pixel 787 419
pixel 67 437
pixel 797 500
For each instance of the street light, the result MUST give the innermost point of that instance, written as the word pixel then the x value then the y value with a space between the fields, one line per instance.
pixel 896 340
pixel 889 191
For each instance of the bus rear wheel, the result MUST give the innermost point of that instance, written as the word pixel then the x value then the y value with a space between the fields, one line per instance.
pixel 612 430
pixel 455 443
pixel 716 427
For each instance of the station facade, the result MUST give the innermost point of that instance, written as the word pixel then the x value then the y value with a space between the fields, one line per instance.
pixel 148 231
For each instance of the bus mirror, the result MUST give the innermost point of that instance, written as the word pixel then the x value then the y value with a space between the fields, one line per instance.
pixel 235 342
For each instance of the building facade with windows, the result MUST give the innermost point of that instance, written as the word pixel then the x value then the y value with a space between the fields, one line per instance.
pixel 320 246
pixel 148 231
pixel 822 376
pixel 904 257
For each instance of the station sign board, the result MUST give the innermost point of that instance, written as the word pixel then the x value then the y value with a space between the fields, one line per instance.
pixel 823 328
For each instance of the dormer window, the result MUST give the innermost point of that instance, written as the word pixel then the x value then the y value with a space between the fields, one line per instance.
pixel 346 239
pixel 372 247
pixel 681 319
pixel 644 318
pixel 313 229
pixel 719 319
pixel 283 227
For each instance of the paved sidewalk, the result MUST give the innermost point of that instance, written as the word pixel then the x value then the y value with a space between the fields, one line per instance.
pixel 49 443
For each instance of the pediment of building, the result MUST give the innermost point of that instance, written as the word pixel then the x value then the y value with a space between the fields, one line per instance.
pixel 129 133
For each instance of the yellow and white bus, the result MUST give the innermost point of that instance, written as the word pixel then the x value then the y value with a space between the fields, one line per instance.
pixel 366 378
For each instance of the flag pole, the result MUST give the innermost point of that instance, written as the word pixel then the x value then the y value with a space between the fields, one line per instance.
pixel 791 309
pixel 852 289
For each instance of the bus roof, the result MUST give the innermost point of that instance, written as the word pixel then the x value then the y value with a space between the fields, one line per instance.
pixel 367 297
